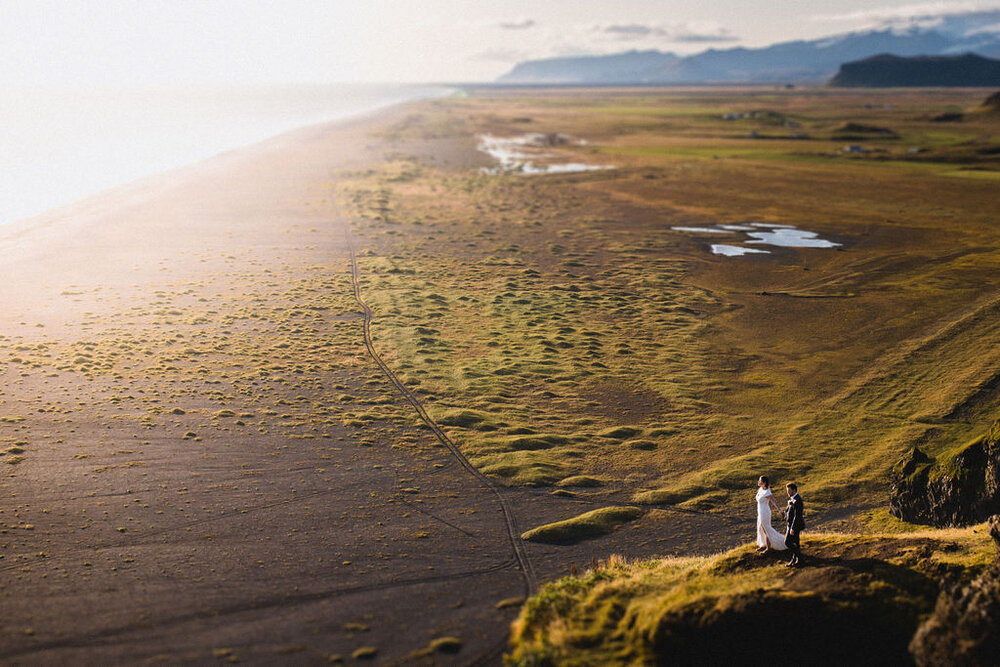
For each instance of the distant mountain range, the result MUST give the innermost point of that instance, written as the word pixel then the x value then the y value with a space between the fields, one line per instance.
pixel 888 71
pixel 796 62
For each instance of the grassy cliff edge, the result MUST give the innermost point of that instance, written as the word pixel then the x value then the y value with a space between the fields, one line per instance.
pixel 861 597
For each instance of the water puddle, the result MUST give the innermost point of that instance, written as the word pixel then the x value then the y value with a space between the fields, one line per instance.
pixel 760 233
pixel 527 154
pixel 704 230
pixel 735 250
pixel 791 238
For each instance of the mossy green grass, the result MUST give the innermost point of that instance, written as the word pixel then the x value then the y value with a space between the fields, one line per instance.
pixel 589 524
pixel 871 591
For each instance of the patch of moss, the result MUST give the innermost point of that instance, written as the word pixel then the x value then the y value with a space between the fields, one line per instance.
pixel 473 419
pixel 589 524
pixel 525 468
pixel 580 480
pixel 620 432
pixel 879 520
pixel 642 445
pixel 446 645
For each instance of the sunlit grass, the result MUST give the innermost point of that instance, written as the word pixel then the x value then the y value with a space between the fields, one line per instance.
pixel 634 612
pixel 537 315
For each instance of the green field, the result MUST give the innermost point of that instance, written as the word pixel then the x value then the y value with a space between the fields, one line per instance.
pixel 580 335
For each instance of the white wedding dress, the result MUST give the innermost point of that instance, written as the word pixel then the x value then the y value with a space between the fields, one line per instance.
pixel 765 532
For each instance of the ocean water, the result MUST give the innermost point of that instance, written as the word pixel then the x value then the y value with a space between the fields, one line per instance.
pixel 60 145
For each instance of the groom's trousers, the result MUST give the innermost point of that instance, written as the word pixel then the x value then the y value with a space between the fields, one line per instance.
pixel 792 542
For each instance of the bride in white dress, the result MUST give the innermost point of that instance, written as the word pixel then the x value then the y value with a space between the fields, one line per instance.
pixel 767 536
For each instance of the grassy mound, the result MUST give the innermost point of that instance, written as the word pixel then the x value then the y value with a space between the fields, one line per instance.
pixel 859 598
pixel 589 524
pixel 465 419
pixel 585 481
pixel 523 468
pixel 620 432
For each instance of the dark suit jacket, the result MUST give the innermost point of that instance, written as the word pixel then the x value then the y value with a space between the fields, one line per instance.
pixel 794 513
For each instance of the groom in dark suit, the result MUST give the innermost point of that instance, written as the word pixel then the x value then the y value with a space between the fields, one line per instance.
pixel 794 516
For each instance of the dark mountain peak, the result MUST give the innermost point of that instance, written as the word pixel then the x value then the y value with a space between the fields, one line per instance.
pixel 887 70
pixel 966 58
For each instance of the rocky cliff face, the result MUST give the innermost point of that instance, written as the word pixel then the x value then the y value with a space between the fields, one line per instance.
pixel 965 626
pixel 959 489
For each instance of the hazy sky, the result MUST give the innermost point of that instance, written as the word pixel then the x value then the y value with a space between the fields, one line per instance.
pixel 243 41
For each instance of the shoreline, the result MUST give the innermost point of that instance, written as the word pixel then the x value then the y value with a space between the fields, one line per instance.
pixel 138 180
pixel 169 354
pixel 95 242
pixel 183 372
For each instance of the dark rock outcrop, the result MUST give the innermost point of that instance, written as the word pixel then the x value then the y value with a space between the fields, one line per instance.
pixel 890 71
pixel 862 132
pixel 992 103
pixel 948 117
pixel 958 489
pixel 965 626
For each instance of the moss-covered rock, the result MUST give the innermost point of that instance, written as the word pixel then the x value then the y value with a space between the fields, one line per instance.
pixel 580 480
pixel 958 489
pixel 589 524
pixel 965 626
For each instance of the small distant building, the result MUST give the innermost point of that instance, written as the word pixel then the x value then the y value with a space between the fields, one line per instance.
pixel 731 116
pixel 854 149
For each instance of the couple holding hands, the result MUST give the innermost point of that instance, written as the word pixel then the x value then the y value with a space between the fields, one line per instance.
pixel 767 537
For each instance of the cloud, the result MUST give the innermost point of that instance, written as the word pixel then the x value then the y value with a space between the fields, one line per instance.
pixel 532 40
pixel 500 55
pixel 993 29
pixel 629 31
pixel 520 24
pixel 915 13
pixel 964 20
pixel 696 37
pixel 667 32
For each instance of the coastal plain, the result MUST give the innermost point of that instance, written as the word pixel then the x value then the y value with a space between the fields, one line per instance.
pixel 580 324
pixel 202 460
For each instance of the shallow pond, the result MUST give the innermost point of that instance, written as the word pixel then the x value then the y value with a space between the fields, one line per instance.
pixel 522 155
pixel 791 238
pixel 735 250
pixel 760 233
